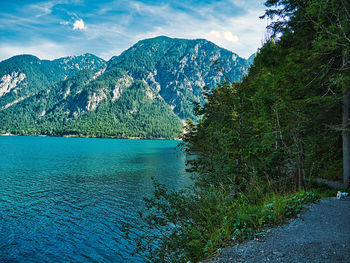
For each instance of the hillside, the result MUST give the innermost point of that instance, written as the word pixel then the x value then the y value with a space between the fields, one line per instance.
pixel 25 75
pixel 145 92
pixel 178 69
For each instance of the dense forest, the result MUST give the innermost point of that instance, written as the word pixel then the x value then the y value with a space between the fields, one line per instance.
pixel 260 143
pixel 54 112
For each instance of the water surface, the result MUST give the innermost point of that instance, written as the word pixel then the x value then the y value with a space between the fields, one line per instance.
pixel 66 199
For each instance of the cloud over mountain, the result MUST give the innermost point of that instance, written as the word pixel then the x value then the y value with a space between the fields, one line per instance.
pixel 115 25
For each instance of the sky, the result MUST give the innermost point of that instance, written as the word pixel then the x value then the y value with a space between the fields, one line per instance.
pixel 56 28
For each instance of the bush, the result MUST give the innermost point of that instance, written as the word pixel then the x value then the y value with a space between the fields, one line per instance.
pixel 194 225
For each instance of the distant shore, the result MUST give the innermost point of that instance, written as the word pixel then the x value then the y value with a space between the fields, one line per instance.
pixel 85 136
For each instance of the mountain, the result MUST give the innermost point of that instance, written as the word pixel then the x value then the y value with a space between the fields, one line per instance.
pixel 145 92
pixel 178 68
pixel 24 75
pixel 251 58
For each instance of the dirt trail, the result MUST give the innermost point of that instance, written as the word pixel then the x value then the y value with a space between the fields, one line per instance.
pixel 320 234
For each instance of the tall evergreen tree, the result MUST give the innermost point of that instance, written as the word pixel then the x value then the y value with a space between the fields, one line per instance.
pixel 330 21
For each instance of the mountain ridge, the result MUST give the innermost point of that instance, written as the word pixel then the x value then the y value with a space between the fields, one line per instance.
pixel 147 91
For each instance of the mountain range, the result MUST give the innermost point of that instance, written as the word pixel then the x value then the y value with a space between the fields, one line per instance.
pixel 146 92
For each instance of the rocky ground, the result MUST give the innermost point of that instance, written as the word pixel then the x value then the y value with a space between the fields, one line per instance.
pixel 321 233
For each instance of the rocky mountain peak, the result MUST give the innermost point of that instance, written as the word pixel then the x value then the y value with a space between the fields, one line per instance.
pixel 147 91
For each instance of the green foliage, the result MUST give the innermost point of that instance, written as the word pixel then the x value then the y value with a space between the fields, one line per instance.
pixel 67 97
pixel 180 67
pixel 194 225
pixel 260 140
pixel 133 115
pixel 41 74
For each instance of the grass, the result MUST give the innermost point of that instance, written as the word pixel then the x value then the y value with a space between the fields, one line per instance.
pixel 218 221
pixel 247 220
pixel 203 225
pixel 243 220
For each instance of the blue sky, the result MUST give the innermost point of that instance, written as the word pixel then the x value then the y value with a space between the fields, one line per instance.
pixel 56 28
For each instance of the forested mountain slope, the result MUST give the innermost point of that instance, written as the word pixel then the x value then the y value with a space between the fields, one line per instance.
pixel 145 92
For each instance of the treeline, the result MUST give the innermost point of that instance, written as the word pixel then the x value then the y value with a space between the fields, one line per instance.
pixel 57 112
pixel 270 135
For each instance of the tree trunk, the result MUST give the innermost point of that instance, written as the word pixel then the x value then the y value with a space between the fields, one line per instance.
pixel 300 175
pixel 346 126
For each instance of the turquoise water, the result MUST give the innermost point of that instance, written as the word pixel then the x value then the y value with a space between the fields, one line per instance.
pixel 66 199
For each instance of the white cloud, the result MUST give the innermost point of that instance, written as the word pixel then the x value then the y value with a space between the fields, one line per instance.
pixel 230 37
pixel 215 33
pixel 79 25
pixel 242 33
pixel 41 9
pixel 224 35
pixel 42 49
pixel 45 7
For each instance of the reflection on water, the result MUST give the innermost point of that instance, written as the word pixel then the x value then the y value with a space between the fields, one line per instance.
pixel 66 199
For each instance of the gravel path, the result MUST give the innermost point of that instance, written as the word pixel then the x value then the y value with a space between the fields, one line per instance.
pixel 320 234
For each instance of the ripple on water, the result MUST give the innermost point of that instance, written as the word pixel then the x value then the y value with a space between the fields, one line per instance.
pixel 67 199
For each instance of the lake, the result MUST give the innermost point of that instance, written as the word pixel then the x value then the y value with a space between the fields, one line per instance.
pixel 66 199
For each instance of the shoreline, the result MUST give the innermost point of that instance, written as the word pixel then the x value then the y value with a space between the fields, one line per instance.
pixel 91 137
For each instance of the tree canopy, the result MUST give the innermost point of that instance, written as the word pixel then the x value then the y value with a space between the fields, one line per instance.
pixel 284 124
